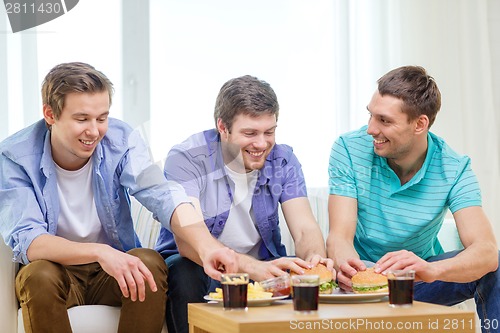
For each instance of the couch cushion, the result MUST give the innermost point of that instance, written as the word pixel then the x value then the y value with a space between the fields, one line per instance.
pixel 89 319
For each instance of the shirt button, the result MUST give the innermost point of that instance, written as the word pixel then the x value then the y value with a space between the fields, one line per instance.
pixel 221 222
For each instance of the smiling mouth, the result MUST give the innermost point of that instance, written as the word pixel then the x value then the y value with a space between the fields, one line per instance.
pixel 378 142
pixel 256 153
pixel 88 142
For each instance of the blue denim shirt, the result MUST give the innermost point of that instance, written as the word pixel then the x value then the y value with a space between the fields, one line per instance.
pixel 29 201
pixel 197 165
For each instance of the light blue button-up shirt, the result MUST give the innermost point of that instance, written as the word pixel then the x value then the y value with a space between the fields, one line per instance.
pixel 29 202
pixel 197 165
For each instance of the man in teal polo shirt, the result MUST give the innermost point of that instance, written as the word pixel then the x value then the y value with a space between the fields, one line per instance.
pixel 391 184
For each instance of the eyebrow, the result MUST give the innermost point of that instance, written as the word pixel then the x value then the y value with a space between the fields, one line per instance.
pixel 253 129
pixel 380 115
pixel 83 114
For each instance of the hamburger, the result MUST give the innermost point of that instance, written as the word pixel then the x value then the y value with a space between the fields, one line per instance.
pixel 326 282
pixel 368 281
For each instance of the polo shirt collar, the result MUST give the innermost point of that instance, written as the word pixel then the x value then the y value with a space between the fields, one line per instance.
pixel 396 183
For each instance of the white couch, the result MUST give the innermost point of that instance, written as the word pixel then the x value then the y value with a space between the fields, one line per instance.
pixel 105 318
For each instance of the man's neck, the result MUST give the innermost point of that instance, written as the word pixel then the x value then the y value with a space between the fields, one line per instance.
pixel 407 168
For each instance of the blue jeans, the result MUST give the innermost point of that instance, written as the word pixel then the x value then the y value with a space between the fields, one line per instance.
pixel 187 283
pixel 485 291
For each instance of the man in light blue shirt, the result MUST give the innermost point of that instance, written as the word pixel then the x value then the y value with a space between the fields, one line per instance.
pixel 237 176
pixel 65 183
pixel 391 185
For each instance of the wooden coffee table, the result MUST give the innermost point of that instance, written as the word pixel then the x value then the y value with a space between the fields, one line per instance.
pixel 360 317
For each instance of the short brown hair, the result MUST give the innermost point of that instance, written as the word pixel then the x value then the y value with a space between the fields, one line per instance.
pixel 247 95
pixel 69 78
pixel 417 90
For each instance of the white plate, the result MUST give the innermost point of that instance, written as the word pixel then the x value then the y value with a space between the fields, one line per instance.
pixel 251 302
pixel 340 296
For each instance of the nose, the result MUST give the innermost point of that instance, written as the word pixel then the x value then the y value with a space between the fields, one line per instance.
pixel 92 130
pixel 372 128
pixel 260 142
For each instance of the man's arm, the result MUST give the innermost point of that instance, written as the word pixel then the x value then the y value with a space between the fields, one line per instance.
pixel 195 242
pixel 304 229
pixel 343 217
pixel 129 271
pixel 481 250
pixel 479 257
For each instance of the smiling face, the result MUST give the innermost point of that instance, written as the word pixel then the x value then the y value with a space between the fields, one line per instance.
pixel 82 124
pixel 394 137
pixel 249 141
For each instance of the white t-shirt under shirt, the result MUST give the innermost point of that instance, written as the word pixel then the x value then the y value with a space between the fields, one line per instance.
pixel 240 232
pixel 78 219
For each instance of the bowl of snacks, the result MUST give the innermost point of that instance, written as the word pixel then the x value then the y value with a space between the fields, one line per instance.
pixel 279 286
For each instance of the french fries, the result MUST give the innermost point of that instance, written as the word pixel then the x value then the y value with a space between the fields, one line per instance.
pixel 255 291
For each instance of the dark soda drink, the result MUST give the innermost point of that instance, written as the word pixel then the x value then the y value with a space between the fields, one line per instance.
pixel 400 291
pixel 235 295
pixel 305 298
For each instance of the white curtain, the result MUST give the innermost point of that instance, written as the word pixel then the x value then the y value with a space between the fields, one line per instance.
pixel 455 41
pixel 452 40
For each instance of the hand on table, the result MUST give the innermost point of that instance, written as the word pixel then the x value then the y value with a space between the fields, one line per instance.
pixel 404 259
pixel 263 270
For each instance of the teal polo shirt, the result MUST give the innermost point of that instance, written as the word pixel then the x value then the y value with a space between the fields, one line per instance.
pixel 392 216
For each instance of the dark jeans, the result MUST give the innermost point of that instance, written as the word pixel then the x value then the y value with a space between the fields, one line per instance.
pixel 485 291
pixel 46 290
pixel 187 283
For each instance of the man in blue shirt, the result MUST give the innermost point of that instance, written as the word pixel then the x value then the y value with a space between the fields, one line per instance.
pixel 65 210
pixel 236 176
pixel 391 184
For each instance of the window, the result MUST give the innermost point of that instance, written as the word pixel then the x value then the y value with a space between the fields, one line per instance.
pixel 196 46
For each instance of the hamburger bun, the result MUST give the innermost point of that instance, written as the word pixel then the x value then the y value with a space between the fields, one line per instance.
pixel 368 281
pixel 326 282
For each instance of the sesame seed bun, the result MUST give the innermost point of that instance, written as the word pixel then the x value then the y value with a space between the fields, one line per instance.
pixel 324 274
pixel 369 282
pixel 326 282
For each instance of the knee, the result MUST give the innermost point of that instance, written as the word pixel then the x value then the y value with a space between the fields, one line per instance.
pixel 185 275
pixel 185 270
pixel 149 257
pixel 154 262
pixel 491 278
pixel 497 271
pixel 42 276
pixel 178 262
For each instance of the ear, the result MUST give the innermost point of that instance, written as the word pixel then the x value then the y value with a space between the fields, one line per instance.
pixel 221 127
pixel 48 115
pixel 422 124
